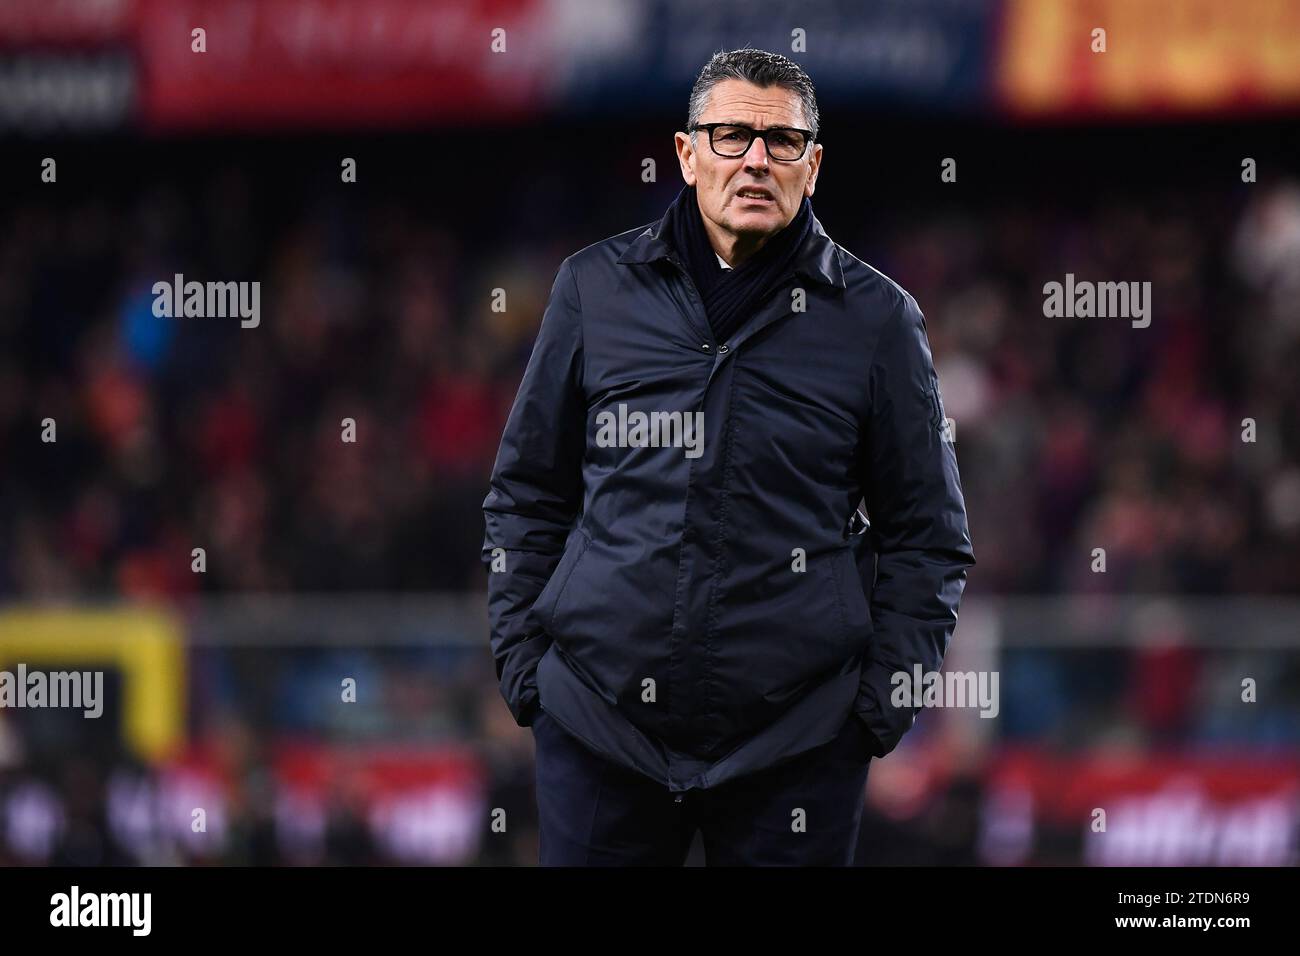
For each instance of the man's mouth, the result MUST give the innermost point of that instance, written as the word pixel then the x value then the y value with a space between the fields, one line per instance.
pixel 755 196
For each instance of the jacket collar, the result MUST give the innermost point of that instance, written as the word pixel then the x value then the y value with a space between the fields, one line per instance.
pixel 818 259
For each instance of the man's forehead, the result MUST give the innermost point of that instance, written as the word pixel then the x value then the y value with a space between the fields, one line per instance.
pixel 738 100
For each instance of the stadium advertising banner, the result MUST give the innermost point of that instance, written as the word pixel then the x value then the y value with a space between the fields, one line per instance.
pixel 1148 56
pixel 1148 810
pixel 315 64
pixel 412 805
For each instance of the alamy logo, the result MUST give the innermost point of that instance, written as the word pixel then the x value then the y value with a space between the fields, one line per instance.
pixel 1084 300
pixel 217 300
pixel 76 689
pixel 652 430
pixel 946 689
pixel 103 909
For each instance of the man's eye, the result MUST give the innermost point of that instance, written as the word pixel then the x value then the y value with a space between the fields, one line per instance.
pixel 730 135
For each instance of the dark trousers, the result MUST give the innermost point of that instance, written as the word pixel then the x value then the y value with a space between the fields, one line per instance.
pixel 804 812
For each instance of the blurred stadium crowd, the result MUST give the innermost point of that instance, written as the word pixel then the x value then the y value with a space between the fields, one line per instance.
pixel 178 433
pixel 181 433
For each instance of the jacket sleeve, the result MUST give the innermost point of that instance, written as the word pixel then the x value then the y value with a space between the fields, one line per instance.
pixel 917 532
pixel 535 493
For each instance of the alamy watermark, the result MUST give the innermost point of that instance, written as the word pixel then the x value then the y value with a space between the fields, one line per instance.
pixel 79 690
pixel 946 689
pixel 220 300
pixel 651 430
pixel 75 908
pixel 1085 300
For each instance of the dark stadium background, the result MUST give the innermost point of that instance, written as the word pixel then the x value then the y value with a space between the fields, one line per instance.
pixel 328 560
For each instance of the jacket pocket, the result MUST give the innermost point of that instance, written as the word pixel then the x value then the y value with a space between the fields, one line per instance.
pixel 548 604
pixel 850 599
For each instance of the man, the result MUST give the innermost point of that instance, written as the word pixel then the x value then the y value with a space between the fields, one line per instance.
pixel 678 603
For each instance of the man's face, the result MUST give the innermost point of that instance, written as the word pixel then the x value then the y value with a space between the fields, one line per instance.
pixel 719 181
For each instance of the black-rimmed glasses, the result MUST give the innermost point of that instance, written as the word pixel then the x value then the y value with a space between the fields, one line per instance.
pixel 784 143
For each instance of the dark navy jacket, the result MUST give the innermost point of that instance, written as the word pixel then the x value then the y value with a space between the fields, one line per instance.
pixel 700 614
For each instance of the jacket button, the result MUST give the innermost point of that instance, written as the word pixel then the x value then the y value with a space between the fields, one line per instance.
pixel 705 346
pixel 723 350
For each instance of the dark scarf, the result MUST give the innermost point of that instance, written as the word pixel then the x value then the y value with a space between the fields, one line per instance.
pixel 730 295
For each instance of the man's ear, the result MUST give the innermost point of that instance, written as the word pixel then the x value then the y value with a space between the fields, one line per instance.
pixel 815 165
pixel 685 156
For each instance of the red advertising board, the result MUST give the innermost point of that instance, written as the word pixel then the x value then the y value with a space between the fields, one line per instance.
pixel 302 63
pixel 1145 809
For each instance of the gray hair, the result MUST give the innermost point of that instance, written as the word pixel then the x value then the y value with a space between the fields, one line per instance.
pixel 760 68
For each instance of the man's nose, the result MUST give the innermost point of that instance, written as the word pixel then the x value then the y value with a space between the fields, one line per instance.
pixel 756 156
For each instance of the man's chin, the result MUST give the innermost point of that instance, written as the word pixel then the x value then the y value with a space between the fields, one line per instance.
pixel 755 225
